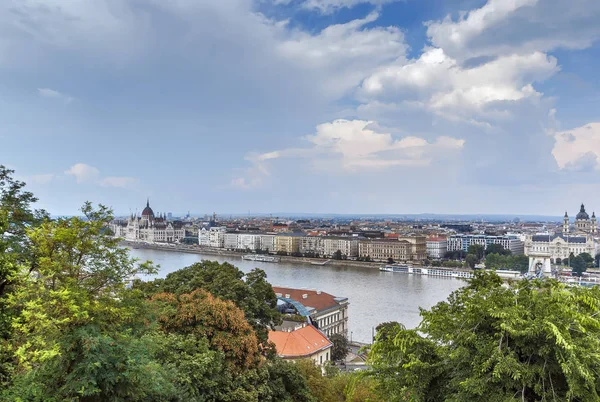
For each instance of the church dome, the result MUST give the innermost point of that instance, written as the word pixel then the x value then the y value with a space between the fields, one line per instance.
pixel 582 215
pixel 148 211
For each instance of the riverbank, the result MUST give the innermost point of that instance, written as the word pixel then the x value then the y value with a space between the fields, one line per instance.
pixel 193 249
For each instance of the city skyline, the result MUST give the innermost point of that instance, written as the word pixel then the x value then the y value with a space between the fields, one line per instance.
pixel 318 106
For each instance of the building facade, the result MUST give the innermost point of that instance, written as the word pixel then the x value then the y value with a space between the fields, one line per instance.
pixel 230 241
pixel 327 312
pixel 583 224
pixel 248 241
pixel 559 245
pixel 267 242
pixel 304 342
pixel 148 228
pixel 348 246
pixel 312 244
pixel 463 241
pixel 408 248
pixel 436 247
pixel 287 243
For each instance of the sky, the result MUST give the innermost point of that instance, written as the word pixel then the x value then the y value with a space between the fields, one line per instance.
pixel 312 106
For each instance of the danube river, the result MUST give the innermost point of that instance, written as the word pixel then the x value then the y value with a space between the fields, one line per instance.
pixel 374 296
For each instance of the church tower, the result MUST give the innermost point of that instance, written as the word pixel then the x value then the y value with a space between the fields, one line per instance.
pixel 594 227
pixel 566 223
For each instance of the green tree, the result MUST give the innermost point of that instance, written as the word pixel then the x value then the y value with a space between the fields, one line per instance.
pixel 340 347
pixel 497 249
pixel 531 340
pixel 597 260
pixel 471 260
pixel 251 292
pixel 578 265
pixel 17 216
pixel 78 323
pixel 477 250
pixel 390 260
pixel 587 258
pixel 337 255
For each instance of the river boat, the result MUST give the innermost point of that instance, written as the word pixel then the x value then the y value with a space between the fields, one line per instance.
pixel 429 271
pixel 260 258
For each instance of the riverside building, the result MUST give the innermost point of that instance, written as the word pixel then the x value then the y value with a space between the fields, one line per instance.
pixel 463 241
pixel 407 248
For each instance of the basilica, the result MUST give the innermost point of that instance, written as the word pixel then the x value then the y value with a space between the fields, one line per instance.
pixel 148 228
pixel 574 239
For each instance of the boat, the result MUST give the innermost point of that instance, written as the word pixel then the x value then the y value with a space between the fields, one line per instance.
pixel 319 262
pixel 260 258
pixel 429 271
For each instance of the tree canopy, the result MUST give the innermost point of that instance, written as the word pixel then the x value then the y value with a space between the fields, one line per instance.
pixel 530 340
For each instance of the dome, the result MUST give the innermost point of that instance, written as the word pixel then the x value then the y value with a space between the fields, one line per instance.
pixel 582 215
pixel 148 211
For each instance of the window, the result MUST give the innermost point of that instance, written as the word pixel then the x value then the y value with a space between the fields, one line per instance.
pixel 321 359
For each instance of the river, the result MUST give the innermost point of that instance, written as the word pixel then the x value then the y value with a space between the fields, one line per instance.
pixel 374 296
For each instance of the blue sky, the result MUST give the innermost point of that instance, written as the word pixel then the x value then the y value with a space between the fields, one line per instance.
pixel 324 106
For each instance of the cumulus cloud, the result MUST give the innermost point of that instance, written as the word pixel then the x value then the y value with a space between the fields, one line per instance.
pixel 53 94
pixel 578 149
pixel 116 181
pixel 331 6
pixel 518 26
pixel 83 173
pixel 348 146
pixel 441 83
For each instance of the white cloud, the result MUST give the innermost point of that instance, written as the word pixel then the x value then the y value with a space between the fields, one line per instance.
pixel 578 149
pixel 441 83
pixel 83 173
pixel 348 146
pixel 120 182
pixel 344 54
pixel 504 27
pixel 331 6
pixel 53 94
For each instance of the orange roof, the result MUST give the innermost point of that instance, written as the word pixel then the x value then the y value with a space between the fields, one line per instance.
pixel 299 343
pixel 392 235
pixel 440 238
pixel 318 300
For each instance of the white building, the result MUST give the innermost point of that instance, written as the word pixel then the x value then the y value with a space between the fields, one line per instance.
pixel 267 242
pixel 230 241
pixel 248 241
pixel 148 228
pixel 347 245
pixel 436 247
pixel 312 244
pixel 463 241
pixel 559 245
pixel 212 236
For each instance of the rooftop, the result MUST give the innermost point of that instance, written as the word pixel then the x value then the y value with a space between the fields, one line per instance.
pixel 299 343
pixel 314 298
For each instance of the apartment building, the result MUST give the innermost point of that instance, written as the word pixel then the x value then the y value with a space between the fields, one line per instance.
pixel 288 243
pixel 463 241
pixel 347 245
pixel 407 248
pixel 436 247
pixel 312 244
pixel 230 241
pixel 267 242
pixel 248 241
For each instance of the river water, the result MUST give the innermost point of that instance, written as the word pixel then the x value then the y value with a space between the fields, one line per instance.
pixel 374 296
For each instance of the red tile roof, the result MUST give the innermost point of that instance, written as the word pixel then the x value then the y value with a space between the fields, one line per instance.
pixel 437 238
pixel 322 301
pixel 299 343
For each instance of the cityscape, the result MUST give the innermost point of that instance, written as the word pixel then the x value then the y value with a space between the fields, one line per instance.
pixel 299 200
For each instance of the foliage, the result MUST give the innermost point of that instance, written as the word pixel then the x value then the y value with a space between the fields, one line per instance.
pixel 497 249
pixel 221 322
pixel 597 260
pixel 254 295
pixel 337 255
pixel 531 340
pixel 471 260
pixel 587 258
pixel 477 250
pixel 578 265
pixel 455 255
pixel 390 260
pixel 510 262
pixel 339 350
pixel 16 254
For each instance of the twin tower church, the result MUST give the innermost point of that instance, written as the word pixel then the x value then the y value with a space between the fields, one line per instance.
pixel 583 224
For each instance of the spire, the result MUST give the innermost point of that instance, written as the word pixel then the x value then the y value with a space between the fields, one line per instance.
pixel 593 214
pixel 582 208
pixel 566 216
pixel 148 202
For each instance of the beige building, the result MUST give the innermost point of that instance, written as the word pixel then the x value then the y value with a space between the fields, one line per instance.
pixel 408 248
pixel 287 243
pixel 312 244
pixel 347 245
